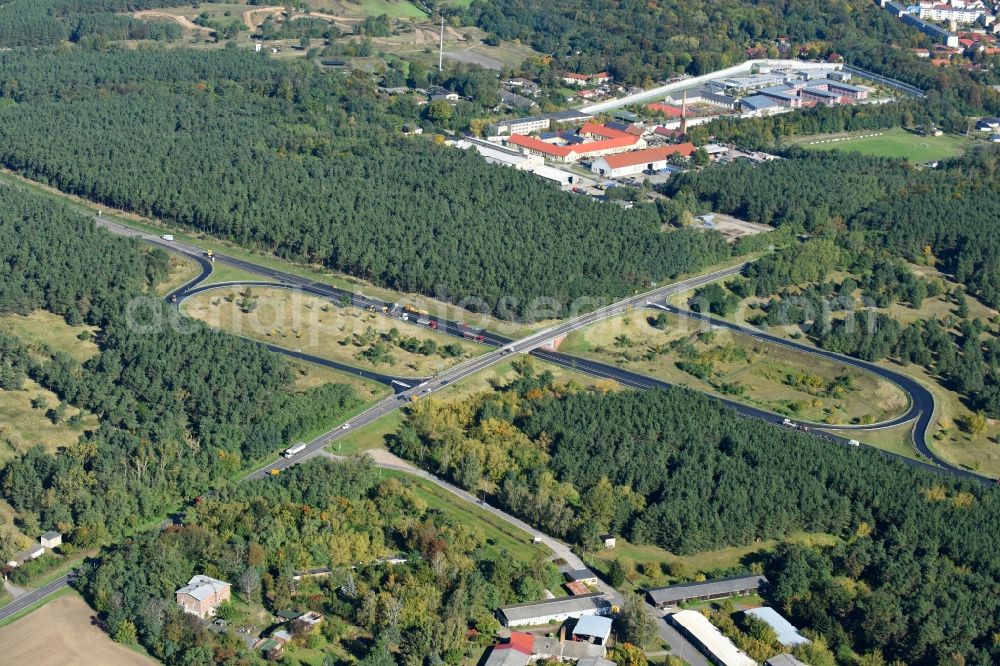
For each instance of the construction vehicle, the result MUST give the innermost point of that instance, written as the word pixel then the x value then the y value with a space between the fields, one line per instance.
pixel 370 308
pixel 414 398
pixel 413 310
pixel 210 254
pixel 274 471
pixel 385 309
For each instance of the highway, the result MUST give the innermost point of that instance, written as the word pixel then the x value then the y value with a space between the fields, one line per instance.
pixel 921 408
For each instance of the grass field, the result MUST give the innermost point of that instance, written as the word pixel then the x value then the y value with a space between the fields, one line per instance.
pixel 500 533
pixel 650 560
pixel 775 378
pixel 21 425
pixel 182 270
pixel 310 324
pixel 43 329
pixel 63 633
pixel 895 142
pixel 224 273
pixel 309 375
pixel 950 437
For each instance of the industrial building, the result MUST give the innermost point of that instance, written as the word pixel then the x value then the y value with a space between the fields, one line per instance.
pixel 496 154
pixel 787 634
pixel 717 588
pixel 651 159
pixel 525 125
pixel 571 153
pixel 553 610
pixel 707 638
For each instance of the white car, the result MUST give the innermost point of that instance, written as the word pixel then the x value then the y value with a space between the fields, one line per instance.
pixel 167 237
pixel 345 426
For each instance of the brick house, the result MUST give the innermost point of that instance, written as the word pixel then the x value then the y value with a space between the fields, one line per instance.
pixel 202 595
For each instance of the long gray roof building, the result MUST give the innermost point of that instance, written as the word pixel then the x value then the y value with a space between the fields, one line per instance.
pixel 717 588
pixel 548 610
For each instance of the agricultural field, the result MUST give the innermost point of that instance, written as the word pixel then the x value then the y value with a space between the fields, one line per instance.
pixel 306 323
pixel 63 633
pixel 896 142
pixel 740 368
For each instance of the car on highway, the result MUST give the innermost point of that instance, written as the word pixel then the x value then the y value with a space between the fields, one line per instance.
pixel 345 426
pixel 167 237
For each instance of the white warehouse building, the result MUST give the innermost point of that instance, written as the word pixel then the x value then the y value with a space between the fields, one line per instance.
pixel 553 610
pixel 712 643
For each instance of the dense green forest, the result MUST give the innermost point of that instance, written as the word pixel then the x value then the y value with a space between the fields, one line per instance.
pixel 638 39
pixel 180 406
pixel 282 158
pixel 914 576
pixel 321 514
pixel 641 42
pixel 947 212
pixel 40 22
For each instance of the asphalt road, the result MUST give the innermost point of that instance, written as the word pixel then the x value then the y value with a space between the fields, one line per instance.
pixel 921 399
pixel 29 598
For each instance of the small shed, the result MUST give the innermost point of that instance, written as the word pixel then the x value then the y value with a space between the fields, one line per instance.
pixel 51 539
pixel 609 541
pixel 592 629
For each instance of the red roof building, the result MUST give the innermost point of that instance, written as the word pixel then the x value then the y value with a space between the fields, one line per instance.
pixel 627 164
pixel 666 109
pixel 618 144
pixel 593 130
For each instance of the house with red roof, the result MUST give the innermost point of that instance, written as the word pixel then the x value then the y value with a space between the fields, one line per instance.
pixel 651 159
pixel 515 651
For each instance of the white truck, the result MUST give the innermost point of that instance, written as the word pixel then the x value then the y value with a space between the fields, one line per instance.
pixel 854 442
pixel 167 237
pixel 292 450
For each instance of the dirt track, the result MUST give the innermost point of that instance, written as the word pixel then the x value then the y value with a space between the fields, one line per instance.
pixel 249 17
pixel 60 633
pixel 183 20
